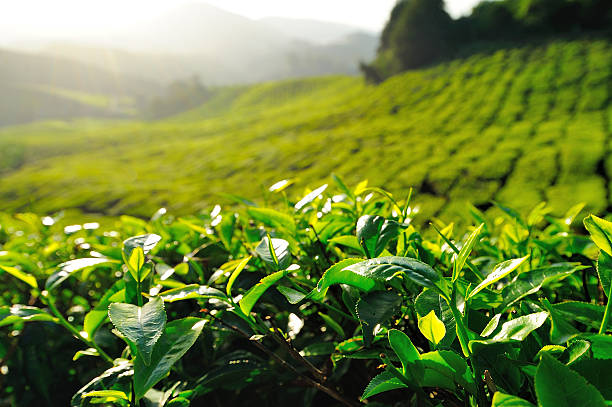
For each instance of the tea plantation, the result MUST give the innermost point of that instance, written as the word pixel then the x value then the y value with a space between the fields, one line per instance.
pixel 333 299
pixel 517 126
pixel 322 289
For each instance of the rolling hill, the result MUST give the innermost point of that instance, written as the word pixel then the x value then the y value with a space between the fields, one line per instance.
pixel 518 126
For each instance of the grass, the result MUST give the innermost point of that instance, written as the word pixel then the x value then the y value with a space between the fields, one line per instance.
pixel 517 126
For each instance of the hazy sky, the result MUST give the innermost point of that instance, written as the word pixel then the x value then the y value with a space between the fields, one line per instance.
pixel 47 17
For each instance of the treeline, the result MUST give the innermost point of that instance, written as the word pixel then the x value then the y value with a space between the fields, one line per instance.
pixel 179 96
pixel 420 32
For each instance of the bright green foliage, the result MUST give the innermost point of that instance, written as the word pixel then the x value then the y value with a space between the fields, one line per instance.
pixel 140 325
pixel 557 385
pixel 518 126
pixel 505 400
pixel 252 296
pixel 258 306
pixel 177 338
pixel 432 328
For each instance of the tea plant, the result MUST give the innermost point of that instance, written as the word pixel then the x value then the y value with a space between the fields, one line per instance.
pixel 333 299
pixel 517 125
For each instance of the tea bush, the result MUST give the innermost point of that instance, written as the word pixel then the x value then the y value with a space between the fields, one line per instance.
pixel 335 298
pixel 446 131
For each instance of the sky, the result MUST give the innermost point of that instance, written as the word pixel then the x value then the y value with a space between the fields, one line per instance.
pixel 43 17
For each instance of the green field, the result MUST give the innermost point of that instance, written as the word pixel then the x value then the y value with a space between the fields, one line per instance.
pixel 517 126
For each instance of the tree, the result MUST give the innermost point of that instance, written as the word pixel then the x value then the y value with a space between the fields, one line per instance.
pixel 421 34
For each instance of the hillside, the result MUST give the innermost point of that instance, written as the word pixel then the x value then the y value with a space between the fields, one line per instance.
pixel 517 126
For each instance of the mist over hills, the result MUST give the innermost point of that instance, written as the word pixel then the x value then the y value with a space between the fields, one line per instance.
pixel 225 48
pixel 36 87
pixel 71 75
pixel 313 31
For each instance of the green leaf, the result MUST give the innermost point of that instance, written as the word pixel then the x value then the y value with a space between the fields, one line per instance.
pixel 506 400
pixel 66 269
pixel 500 271
pixel 596 372
pixel 348 241
pixel 338 274
pixel 465 252
pixel 23 313
pixel 145 242
pixel 601 345
pixel 516 329
pixel 375 232
pixel 136 262
pixel 273 218
pixel 558 386
pixel 178 402
pixel 560 329
pixel 276 254
pixel 381 383
pixel 119 374
pixel 141 325
pixel 292 296
pixel 447 369
pixel 583 312
pixel 576 350
pixel 112 394
pixel 86 352
pixel 407 353
pixel 373 309
pixel 340 183
pixel 25 277
pixel 386 268
pixel 430 300
pixel 330 322
pixel 252 296
pixel 134 251
pixel 531 281
pixel 235 274
pixel 604 270
pixel 601 232
pixel 177 338
pixel 491 326
pixel 310 197
pixel 192 291
pixel 95 317
pixel 432 328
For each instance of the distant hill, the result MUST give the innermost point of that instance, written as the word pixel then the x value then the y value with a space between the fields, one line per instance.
pixel 313 31
pixel 517 126
pixel 35 87
pixel 224 48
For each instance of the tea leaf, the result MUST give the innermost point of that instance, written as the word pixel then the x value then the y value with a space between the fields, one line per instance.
pixel 601 232
pixel 557 385
pixel 176 339
pixel 25 277
pixel 506 400
pixel 66 269
pixel 500 271
pixel 432 328
pixel 252 296
pixel 141 325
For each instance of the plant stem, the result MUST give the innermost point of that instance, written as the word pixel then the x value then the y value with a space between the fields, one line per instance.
pixel 464 341
pixel 606 317
pixel 319 386
pixel 139 293
pixel 49 302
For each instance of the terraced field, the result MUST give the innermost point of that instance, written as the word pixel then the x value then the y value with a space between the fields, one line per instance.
pixel 518 126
